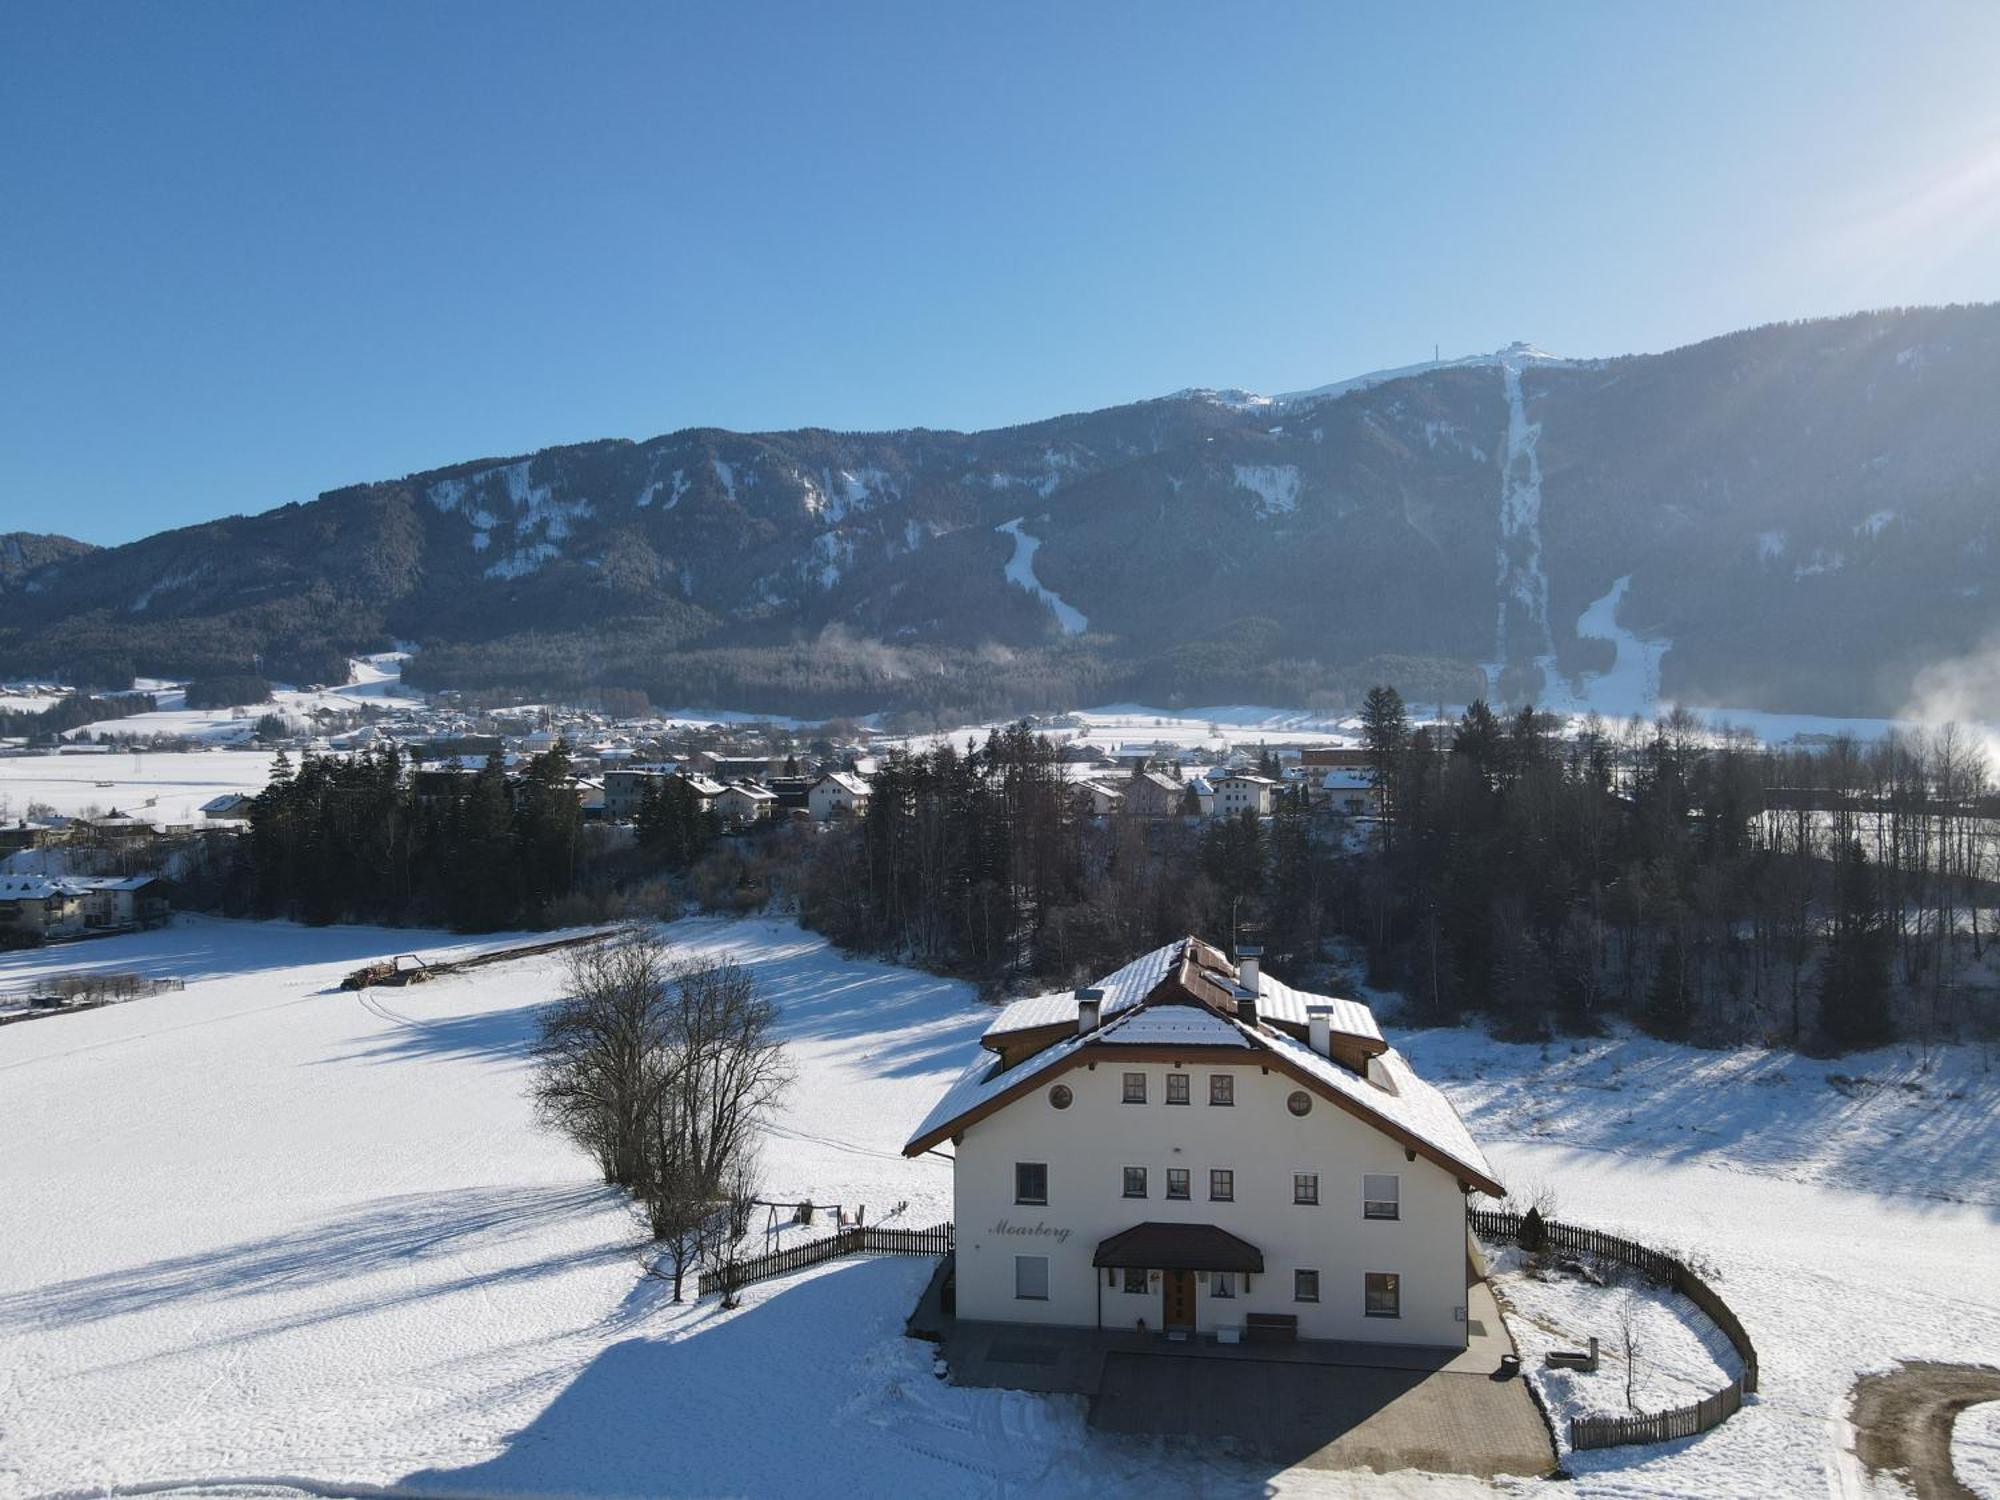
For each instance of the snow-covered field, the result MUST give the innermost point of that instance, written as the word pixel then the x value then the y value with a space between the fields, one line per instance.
pixel 164 786
pixel 263 1229
pixel 375 679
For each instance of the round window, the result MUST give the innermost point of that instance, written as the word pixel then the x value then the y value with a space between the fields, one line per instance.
pixel 1060 1096
pixel 1300 1102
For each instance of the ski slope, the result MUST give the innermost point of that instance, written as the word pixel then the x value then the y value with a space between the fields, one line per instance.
pixel 283 1238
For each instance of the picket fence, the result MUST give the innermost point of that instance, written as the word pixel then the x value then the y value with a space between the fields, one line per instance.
pixel 858 1240
pixel 1664 1270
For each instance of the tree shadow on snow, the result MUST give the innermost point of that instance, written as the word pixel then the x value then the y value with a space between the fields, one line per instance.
pixel 493 1034
pixel 411 1230
pixel 799 1393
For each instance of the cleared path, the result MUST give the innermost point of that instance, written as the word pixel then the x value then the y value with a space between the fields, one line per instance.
pixel 1902 1422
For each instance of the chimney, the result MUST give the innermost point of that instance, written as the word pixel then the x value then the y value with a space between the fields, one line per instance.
pixel 1249 961
pixel 1089 1010
pixel 1246 1006
pixel 1319 1029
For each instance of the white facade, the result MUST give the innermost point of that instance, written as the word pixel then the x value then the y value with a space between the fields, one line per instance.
pixel 1243 792
pixel 837 792
pixel 1168 1109
pixel 1086 1148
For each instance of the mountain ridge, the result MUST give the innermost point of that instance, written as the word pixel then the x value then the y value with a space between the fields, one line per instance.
pixel 1801 510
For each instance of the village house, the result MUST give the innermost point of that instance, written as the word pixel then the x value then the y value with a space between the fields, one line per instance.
pixel 1153 794
pixel 744 802
pixel 838 793
pixel 1243 791
pixel 1191 1146
pixel 625 788
pixel 1096 799
pixel 58 906
pixel 1351 792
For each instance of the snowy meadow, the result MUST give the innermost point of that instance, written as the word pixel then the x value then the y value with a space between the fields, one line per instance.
pixel 264 1234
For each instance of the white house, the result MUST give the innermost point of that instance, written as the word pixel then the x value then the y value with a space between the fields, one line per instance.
pixel 1242 791
pixel 837 792
pixel 1352 792
pixel 625 788
pixel 745 802
pixel 1188 1144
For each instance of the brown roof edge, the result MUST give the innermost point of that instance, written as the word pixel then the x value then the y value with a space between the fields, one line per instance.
pixel 1200 1052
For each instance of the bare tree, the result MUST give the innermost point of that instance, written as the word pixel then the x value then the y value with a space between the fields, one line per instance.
pixel 1629 1339
pixel 719 1069
pixel 598 1054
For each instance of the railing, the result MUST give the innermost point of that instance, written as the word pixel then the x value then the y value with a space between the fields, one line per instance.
pixel 859 1240
pixel 1665 1270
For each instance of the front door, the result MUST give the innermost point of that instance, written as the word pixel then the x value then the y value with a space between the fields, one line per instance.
pixel 1178 1294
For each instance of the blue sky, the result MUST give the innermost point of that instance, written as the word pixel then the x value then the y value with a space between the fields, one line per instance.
pixel 250 252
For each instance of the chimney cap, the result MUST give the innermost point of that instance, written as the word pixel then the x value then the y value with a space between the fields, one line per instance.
pixel 1249 950
pixel 1091 992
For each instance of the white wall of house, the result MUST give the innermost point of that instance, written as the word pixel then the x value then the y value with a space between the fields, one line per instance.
pixel 1086 1148
pixel 829 796
pixel 1233 796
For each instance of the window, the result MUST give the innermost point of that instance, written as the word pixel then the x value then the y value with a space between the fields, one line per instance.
pixel 1305 1286
pixel 1379 1196
pixel 1135 1279
pixel 1031 1278
pixel 1031 1182
pixel 1135 1088
pixel 1305 1187
pixel 1135 1182
pixel 1177 1182
pixel 1177 1088
pixel 1222 1088
pixel 1299 1102
pixel 1061 1097
pixel 1222 1284
pixel 1221 1185
pixel 1384 1295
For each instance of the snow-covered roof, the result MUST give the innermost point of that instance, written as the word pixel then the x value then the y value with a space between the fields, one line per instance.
pixel 1391 1095
pixel 1347 780
pixel 1254 778
pixel 846 780
pixel 1126 987
pixel 1400 1097
pixel 1168 1025
pixel 1122 988
pixel 751 790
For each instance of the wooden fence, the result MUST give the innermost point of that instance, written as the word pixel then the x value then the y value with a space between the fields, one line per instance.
pixel 859 1240
pixel 1665 1270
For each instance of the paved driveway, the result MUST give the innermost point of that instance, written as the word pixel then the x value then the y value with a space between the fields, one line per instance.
pixel 1328 1416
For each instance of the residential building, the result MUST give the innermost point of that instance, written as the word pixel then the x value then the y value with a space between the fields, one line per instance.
pixel 1189 1142
pixel 1352 792
pixel 57 906
pixel 1243 791
pixel 1154 794
pixel 625 788
pixel 745 802
pixel 838 794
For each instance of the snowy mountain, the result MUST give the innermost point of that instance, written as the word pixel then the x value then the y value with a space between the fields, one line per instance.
pixel 1796 517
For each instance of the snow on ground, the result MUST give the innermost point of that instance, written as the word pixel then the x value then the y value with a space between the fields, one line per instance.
pixel 1881 1121
pixel 1975 1449
pixel 1021 573
pixel 281 1230
pixel 165 786
pixel 374 679
pixel 1679 1356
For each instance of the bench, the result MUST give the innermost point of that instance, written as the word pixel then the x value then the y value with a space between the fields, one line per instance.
pixel 1271 1328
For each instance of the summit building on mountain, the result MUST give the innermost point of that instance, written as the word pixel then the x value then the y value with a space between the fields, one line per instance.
pixel 1193 1146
